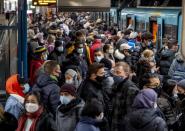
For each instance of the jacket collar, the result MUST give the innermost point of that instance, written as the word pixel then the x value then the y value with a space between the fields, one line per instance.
pixel 19 98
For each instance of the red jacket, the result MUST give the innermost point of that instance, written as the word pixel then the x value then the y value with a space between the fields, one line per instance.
pixel 96 44
pixel 34 66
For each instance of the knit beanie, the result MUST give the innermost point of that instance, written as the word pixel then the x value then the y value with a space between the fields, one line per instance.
pixel 69 88
pixel 71 72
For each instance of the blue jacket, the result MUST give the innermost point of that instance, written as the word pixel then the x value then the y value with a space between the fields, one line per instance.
pixel 177 69
pixel 87 124
pixel 50 92
pixel 14 107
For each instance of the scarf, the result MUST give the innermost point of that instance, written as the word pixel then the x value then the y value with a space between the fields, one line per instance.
pixel 34 116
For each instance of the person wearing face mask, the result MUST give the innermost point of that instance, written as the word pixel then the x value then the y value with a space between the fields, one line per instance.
pixel 58 54
pixel 40 55
pixel 125 49
pixel 78 58
pixel 68 112
pixel 73 77
pixel 146 43
pixel 47 85
pixel 35 118
pixel 144 117
pixel 98 55
pixel 108 52
pixel 92 117
pixel 16 87
pixel 91 87
pixel 95 45
pixel 123 92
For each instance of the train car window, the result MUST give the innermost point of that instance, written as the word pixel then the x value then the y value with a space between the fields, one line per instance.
pixel 140 25
pixel 170 31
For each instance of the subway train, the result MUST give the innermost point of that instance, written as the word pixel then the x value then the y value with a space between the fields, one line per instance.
pixel 162 22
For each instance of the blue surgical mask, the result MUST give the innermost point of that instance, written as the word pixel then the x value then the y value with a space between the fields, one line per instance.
pixel 65 100
pixel 98 58
pixel 26 88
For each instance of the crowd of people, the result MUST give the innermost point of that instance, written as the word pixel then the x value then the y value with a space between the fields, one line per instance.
pixel 85 75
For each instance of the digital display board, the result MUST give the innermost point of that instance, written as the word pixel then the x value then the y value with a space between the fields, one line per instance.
pixel 83 5
pixel 44 2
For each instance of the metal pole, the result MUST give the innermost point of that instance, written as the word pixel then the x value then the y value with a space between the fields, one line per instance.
pixel 183 30
pixel 22 38
pixel 19 48
pixel 24 53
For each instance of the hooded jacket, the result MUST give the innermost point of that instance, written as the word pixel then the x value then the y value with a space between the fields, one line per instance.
pixel 68 115
pixel 144 120
pixel 177 69
pixel 90 124
pixel 49 90
pixel 166 60
pixel 14 103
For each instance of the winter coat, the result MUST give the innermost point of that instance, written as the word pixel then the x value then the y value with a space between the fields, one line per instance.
pixel 45 122
pixel 77 60
pixel 8 123
pixel 68 115
pixel 57 56
pixel 87 124
pixel 96 44
pixel 90 89
pixel 14 107
pixel 124 93
pixel 177 69
pixel 34 66
pixel 166 60
pixel 144 120
pixel 50 92
pixel 166 108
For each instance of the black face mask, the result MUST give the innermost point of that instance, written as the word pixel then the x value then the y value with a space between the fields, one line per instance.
pixel 157 90
pixel 181 96
pixel 117 79
pixel 100 78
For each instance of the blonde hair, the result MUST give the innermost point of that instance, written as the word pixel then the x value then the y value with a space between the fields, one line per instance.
pixel 51 38
pixel 148 53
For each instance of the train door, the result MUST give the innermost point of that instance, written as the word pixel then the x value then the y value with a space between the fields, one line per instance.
pixel 156 26
pixel 131 21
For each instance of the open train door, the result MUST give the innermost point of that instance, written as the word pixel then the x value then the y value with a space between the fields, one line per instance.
pixel 131 21
pixel 156 26
pixel 159 33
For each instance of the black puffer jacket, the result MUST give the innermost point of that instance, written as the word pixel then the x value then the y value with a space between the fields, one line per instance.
pixel 166 60
pixel 8 123
pixel 50 92
pixel 90 89
pixel 144 120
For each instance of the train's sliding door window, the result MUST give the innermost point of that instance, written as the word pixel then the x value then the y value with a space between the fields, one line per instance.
pixel 140 25
pixel 170 31
pixel 129 21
